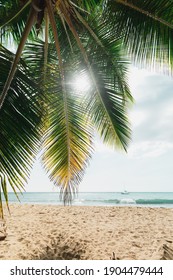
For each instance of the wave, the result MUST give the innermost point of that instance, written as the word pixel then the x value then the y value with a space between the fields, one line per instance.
pixel 129 201
pixel 102 199
pixel 154 201
pixel 120 201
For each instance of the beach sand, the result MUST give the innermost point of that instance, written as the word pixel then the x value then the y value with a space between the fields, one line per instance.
pixel 86 233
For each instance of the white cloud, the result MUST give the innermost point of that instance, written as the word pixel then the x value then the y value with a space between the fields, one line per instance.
pixel 167 112
pixel 137 76
pixel 137 117
pixel 149 149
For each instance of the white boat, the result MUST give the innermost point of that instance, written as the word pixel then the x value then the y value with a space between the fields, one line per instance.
pixel 125 192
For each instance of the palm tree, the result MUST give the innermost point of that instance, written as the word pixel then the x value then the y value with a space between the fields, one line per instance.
pixel 39 105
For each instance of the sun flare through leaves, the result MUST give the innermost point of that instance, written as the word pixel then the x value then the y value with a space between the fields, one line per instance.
pixel 81 83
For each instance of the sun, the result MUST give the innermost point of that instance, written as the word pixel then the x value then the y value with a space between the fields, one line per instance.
pixel 81 83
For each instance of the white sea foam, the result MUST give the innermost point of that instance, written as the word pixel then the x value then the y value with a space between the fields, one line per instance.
pixel 127 201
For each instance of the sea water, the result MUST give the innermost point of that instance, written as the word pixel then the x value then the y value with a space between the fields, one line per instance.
pixel 150 199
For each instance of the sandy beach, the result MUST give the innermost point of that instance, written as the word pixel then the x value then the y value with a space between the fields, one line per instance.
pixel 86 233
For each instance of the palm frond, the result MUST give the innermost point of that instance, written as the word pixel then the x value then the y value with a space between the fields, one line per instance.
pixel 68 141
pixel 20 119
pixel 108 104
pixel 147 28
pixel 67 145
pixel 30 22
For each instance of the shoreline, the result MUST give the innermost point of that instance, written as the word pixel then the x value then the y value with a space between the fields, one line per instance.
pixel 141 199
pixel 152 206
pixel 42 231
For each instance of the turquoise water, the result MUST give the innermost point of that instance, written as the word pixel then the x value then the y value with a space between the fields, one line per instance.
pixel 151 199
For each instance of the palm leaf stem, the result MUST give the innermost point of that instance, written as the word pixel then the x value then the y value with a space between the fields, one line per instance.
pixel 76 36
pixel 88 28
pixel 11 74
pixel 46 43
pixel 63 22
pixel 147 13
pixel 54 29
pixel 81 9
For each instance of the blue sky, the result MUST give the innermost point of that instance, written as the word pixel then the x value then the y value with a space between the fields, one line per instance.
pixel 148 164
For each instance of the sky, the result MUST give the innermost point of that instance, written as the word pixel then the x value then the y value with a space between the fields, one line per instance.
pixel 147 165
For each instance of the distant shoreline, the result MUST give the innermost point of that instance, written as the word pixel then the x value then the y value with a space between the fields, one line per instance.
pixel 146 199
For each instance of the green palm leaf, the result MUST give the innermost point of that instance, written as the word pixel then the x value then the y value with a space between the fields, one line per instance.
pixel 147 28
pixel 19 125
pixel 84 37
pixel 68 138
pixel 67 145
pixel 111 96
pixel 13 16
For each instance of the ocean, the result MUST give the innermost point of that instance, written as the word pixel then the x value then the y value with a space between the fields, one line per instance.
pixel 142 199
